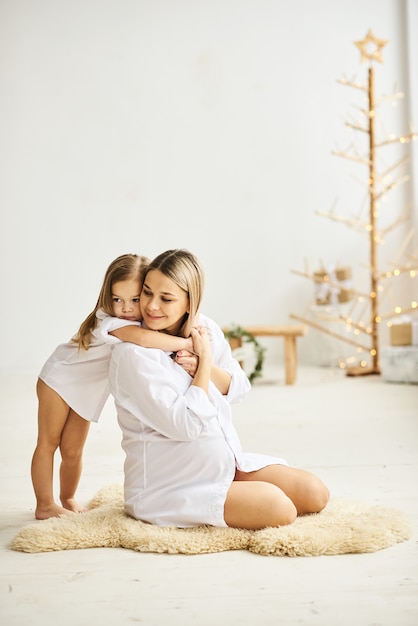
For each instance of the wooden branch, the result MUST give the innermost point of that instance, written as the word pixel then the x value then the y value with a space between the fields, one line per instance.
pixel 330 332
pixel 391 187
pixel 400 220
pixel 399 270
pixel 345 155
pixel 387 316
pixel 389 97
pixel 344 220
pixel 402 139
pixel 356 127
pixel 355 325
pixel 397 164
pixel 349 83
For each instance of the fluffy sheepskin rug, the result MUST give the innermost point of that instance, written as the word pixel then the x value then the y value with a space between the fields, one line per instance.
pixel 343 527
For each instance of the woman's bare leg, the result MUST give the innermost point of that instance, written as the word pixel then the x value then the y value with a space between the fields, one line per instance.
pixel 52 416
pixel 273 496
pixel 255 504
pixel 72 444
pixel 307 492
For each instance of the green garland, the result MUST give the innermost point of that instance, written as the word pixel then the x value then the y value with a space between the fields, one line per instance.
pixel 237 332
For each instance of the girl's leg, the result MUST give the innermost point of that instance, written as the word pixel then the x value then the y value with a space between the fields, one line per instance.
pixel 307 492
pixel 255 504
pixel 72 443
pixel 52 416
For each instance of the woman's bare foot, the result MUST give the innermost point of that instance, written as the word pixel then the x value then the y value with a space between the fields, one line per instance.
pixel 51 511
pixel 72 505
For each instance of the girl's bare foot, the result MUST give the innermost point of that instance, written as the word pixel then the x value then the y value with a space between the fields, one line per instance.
pixel 72 505
pixel 51 511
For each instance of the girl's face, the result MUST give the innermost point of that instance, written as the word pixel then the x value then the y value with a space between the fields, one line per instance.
pixel 125 298
pixel 163 303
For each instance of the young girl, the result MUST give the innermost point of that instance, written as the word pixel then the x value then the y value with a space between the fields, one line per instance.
pixel 184 464
pixel 73 387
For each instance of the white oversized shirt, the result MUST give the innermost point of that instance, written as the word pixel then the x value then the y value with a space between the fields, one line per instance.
pixel 81 377
pixel 181 446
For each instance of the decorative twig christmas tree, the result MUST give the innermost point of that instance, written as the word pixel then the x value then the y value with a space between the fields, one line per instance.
pixel 379 184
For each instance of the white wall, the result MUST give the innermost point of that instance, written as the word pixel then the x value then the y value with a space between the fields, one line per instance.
pixel 137 126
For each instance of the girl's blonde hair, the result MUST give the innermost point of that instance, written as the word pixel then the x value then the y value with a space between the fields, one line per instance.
pixel 185 270
pixel 125 267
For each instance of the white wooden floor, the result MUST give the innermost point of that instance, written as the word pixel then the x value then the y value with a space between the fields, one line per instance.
pixel 359 434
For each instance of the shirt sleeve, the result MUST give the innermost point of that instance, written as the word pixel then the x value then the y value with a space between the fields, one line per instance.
pixel 106 324
pixel 222 357
pixel 151 386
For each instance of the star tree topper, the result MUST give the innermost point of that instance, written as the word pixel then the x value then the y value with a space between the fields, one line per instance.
pixel 371 47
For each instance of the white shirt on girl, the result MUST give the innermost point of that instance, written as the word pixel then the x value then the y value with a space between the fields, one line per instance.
pixel 81 377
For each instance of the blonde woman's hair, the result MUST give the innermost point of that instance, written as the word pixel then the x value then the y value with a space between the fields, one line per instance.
pixel 125 267
pixel 185 270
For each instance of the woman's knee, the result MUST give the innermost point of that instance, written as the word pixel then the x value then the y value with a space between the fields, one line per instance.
pixel 317 495
pixel 257 504
pixel 281 510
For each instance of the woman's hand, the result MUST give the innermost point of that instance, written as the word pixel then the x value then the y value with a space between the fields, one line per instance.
pixel 201 343
pixel 188 361
pixel 202 352
pixel 202 347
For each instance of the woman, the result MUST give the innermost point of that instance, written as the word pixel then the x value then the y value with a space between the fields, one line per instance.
pixel 184 465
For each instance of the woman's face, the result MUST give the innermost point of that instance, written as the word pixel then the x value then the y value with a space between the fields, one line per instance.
pixel 163 303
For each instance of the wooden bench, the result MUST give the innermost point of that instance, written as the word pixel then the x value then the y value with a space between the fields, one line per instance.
pixel 288 331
